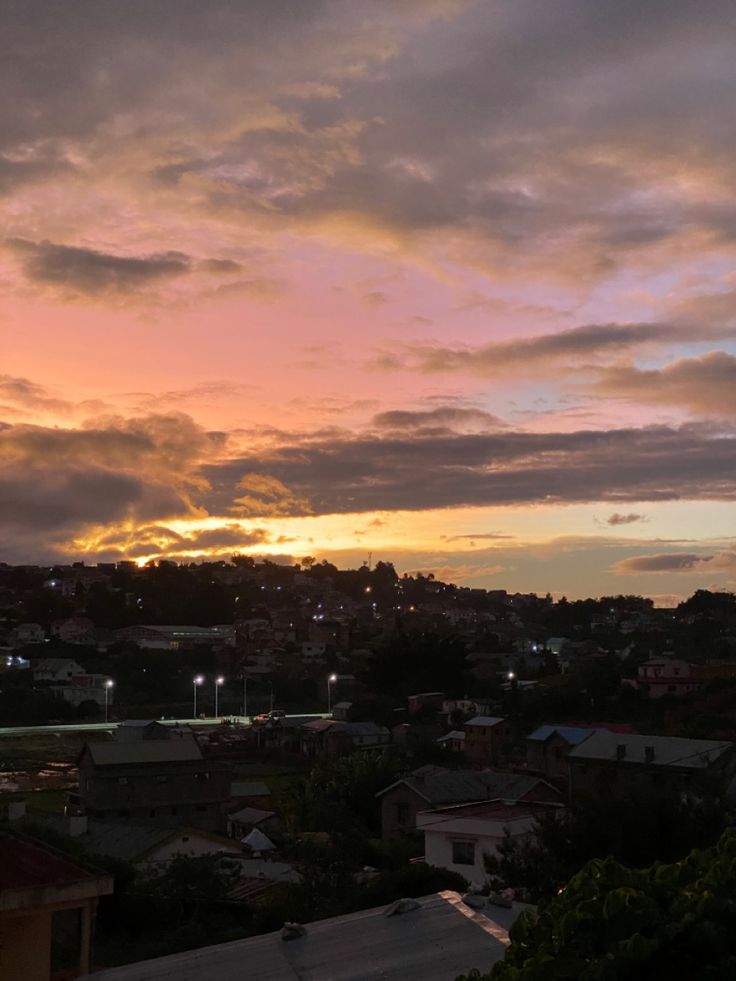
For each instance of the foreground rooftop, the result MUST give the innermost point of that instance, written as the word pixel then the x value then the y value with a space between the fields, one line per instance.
pixel 435 943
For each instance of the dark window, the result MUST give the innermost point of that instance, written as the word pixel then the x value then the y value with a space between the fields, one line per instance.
pixel 201 807
pixel 152 812
pixel 558 753
pixel 174 810
pixel 463 853
pixel 124 812
pixel 671 688
pixel 402 813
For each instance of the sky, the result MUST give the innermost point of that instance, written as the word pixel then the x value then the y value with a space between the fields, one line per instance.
pixel 445 283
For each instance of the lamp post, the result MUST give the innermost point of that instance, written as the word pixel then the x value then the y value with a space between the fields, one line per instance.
pixel 245 696
pixel 196 682
pixel 108 685
pixel 330 682
pixel 218 681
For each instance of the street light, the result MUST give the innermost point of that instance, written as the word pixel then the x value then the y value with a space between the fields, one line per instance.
pixel 218 681
pixel 330 682
pixel 196 682
pixel 245 696
pixel 108 685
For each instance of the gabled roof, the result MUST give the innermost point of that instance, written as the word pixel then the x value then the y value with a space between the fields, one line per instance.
pixel 667 750
pixel 250 815
pixel 258 841
pixel 442 786
pixel 180 750
pixel 571 734
pixel 132 842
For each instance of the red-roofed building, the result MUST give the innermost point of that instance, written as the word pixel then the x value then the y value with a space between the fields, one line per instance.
pixel 47 908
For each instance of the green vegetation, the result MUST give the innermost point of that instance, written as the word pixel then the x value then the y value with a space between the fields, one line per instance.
pixel 634 829
pixel 664 923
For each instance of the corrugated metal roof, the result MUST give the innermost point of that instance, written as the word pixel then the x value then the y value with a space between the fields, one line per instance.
pixel 436 942
pixel 668 750
pixel 244 788
pixel 570 734
pixel 23 865
pixel 181 749
pixel 464 786
pixel 484 720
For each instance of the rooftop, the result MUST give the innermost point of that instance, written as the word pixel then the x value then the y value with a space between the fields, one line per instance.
pixel 440 786
pixel 182 749
pixel 667 750
pixel 436 942
pixel 484 720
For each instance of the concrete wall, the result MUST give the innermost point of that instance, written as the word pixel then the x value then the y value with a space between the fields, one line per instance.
pixel 438 852
pixel 25 946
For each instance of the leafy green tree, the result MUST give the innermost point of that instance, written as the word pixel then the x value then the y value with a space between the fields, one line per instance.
pixel 663 923
pixel 634 829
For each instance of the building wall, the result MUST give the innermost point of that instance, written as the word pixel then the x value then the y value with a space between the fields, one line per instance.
pixel 548 757
pixel 25 946
pixel 400 799
pixel 195 792
pixel 438 851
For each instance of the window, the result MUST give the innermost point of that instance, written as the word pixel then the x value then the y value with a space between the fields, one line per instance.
pixel 463 853
pixel 402 814
pixel 201 807
pixel 174 810
pixel 152 812
pixel 122 780
pixel 162 778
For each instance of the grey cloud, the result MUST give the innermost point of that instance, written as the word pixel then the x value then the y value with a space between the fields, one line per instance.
pixel 704 385
pixel 442 416
pixel 724 561
pixel 578 345
pixel 625 519
pixel 449 470
pixel 90 271
pixel 58 484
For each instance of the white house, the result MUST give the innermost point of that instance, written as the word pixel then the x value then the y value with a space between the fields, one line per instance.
pixel 27 633
pixel 457 838
pixel 58 670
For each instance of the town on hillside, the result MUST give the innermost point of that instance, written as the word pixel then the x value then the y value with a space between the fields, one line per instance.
pixel 204 753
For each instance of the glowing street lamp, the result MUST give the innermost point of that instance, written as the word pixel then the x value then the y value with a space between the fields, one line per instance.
pixel 330 682
pixel 108 685
pixel 196 682
pixel 218 681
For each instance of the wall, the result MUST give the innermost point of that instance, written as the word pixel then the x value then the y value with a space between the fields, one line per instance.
pixel 25 946
pixel 390 827
pixel 438 852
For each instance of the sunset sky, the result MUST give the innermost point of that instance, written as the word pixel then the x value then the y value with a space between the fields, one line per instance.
pixel 448 282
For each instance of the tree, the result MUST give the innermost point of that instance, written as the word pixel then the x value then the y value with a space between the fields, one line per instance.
pixel 663 923
pixel 635 829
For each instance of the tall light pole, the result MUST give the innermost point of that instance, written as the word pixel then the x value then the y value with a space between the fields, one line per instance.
pixel 330 682
pixel 245 696
pixel 196 682
pixel 218 681
pixel 108 685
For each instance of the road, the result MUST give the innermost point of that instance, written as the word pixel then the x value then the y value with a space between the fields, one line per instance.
pixel 110 726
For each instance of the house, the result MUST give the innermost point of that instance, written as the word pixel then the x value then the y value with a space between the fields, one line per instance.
pixel 163 781
pixel 74 630
pixel 426 699
pixel 136 730
pixel 86 688
pixel 661 676
pixel 147 845
pixel 439 940
pixel 26 633
pixel 431 787
pixel 56 670
pixel 486 740
pixel 453 741
pixel 242 822
pixel 245 793
pixel 329 738
pixel 611 762
pixel 47 911
pixel 458 838
pixel 548 746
